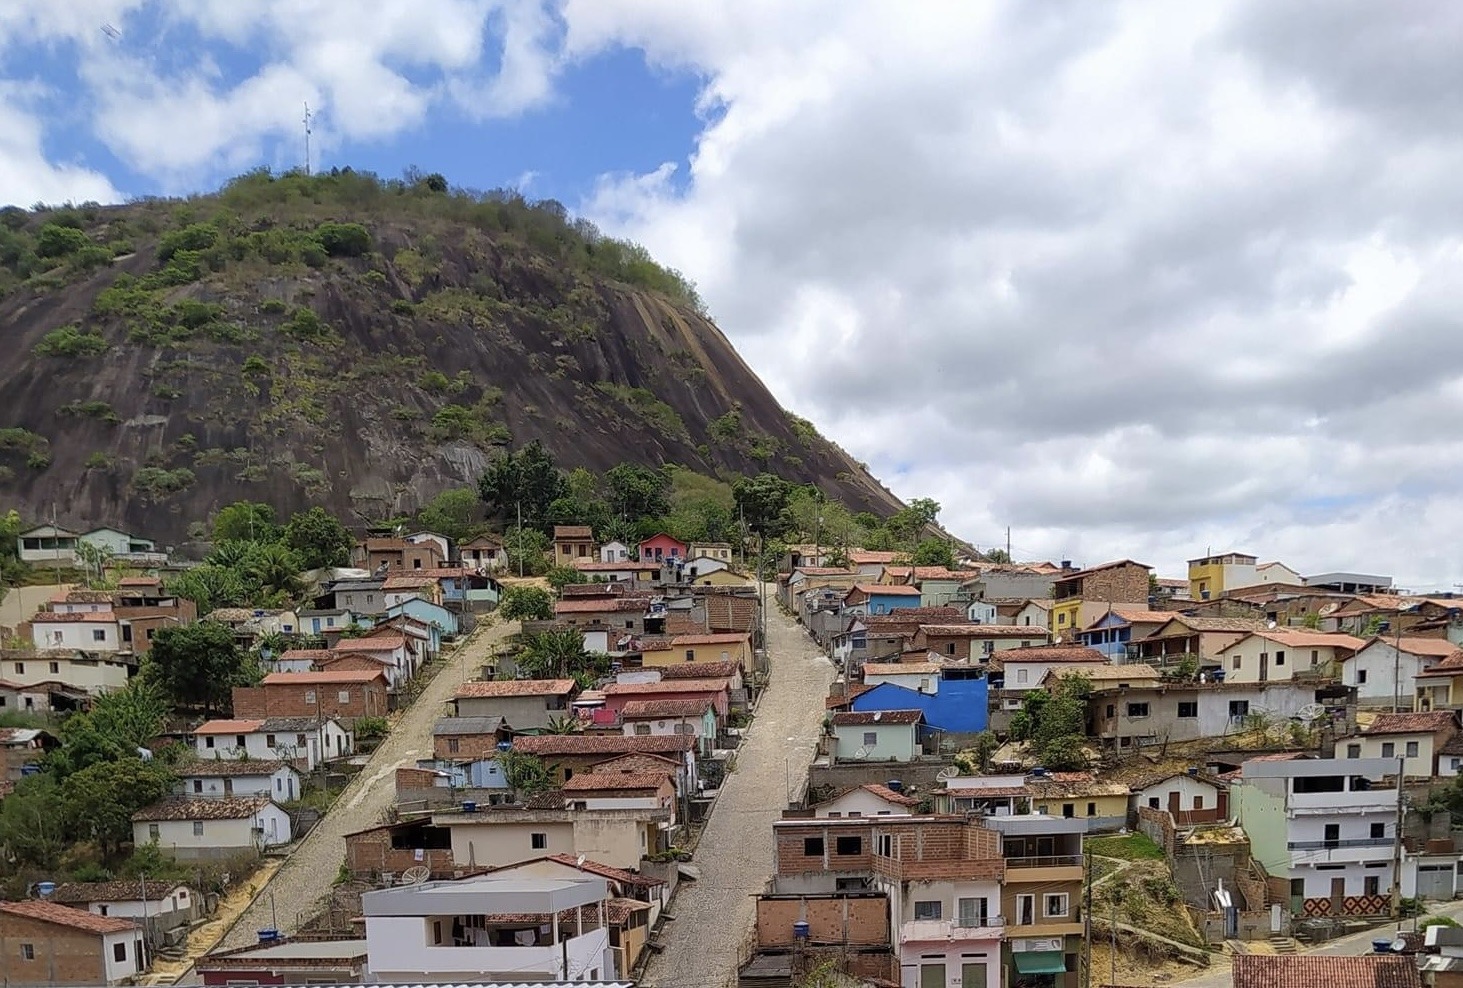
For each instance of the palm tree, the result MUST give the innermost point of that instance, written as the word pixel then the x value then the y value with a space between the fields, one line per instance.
pixel 564 725
pixel 552 654
pixel 276 569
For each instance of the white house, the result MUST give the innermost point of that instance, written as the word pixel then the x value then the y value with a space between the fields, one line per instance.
pixel 980 612
pixel 1282 653
pixel 443 544
pixel 922 677
pixel 1328 825
pixel 876 735
pixel 201 828
pixel 124 547
pixel 95 631
pixel 1379 673
pixel 483 553
pixel 389 651
pixel 867 800
pixel 303 741
pixel 1025 668
pixel 48 544
pixel 1179 792
pixel 221 777
pixel 616 552
pixel 82 670
pixel 455 932
pixel 169 904
pixel 1036 614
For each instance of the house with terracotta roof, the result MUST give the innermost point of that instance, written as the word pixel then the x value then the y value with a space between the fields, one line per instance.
pixel 872 598
pixel 344 694
pixel 483 553
pixel 695 716
pixel 1127 712
pixel 715 690
pixel 975 642
pixel 385 653
pixel 205 828
pixel 1385 675
pixel 622 791
pixel 868 800
pixel 523 704
pixel 620 614
pixel 1311 970
pixel 167 904
pixel 876 735
pixel 1200 638
pixel 1415 738
pixel 573 543
pixel 1082 596
pixel 485 837
pixel 652 892
pixel 239 777
pixel 1101 804
pixel 393 555
pixel 727 647
pixel 47 943
pixel 399 587
pixel 1286 653
pixel 569 754
pixel 1024 668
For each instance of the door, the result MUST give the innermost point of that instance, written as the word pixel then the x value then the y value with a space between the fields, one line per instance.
pixel 1332 836
pixel 1433 882
pixel 932 975
pixel 1338 895
pixel 972 974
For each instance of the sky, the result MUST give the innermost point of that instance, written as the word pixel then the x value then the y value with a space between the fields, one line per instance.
pixel 1135 279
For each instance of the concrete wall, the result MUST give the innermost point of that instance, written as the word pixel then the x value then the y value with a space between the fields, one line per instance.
pixel 919 776
pixel 853 918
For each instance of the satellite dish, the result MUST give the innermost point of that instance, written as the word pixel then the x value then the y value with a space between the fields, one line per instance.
pixel 1270 625
pixel 579 861
pixel 948 772
pixel 1311 712
pixel 861 754
pixel 1399 945
pixel 878 715
pixel 415 875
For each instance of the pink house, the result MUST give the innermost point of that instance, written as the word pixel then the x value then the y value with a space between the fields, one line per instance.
pixel 661 547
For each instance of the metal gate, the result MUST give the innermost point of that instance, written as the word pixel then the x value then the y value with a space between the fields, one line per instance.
pixel 1435 881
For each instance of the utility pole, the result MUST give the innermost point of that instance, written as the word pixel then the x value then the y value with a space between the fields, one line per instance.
pixel 1086 919
pixel 1112 970
pixel 520 539
pixel 1008 544
pixel 1397 850
pixel 307 139
pixel 1397 670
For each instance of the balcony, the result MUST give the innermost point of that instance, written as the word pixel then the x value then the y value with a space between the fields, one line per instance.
pixel 939 869
pixel 946 930
pixel 1356 801
pixel 1331 845
pixel 1045 868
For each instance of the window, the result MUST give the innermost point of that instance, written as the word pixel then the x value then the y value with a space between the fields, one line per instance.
pixel 310 696
pixel 197 828
pixel 1092 809
pixel 208 742
pixel 642 729
pixel 119 951
pixel 20 666
pixel 928 909
pixel 27 951
pixel 436 931
pixel 152 832
pixel 1137 710
pixel 1021 675
pixel 98 634
pixel 1239 708
pixel 871 738
pixel 1069 810
pixel 197 785
pixel 1389 750
pixel 102 909
pixel 1412 749
pixel 1353 751
pixel 300 740
pixel 1153 802
pixel 1188 708
pixel 1331 836
pixel 344 696
pixel 812 847
pixel 848 845
pixel 1315 656
pixel 971 912
pixel 538 842
pixel 950 648
pixel 1234 663
pixel 1361 677
pixel 370 598
pixel 1371 885
pixel 1055 904
pixel 269 740
pixel 1280 658
pixel 1025 910
pixel 1379 830
pixel 690 655
pixel 1111 710
pixel 884 845
pixel 55 668
pixel 454 745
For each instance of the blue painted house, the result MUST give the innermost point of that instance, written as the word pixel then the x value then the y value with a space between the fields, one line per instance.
pixel 435 616
pixel 955 702
pixel 875 598
pixel 1120 626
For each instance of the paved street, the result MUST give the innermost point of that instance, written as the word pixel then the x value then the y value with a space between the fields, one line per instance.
pixel 714 914
pixel 311 870
pixel 1350 946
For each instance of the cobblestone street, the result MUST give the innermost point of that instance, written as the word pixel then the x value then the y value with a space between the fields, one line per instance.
pixel 310 871
pixel 714 914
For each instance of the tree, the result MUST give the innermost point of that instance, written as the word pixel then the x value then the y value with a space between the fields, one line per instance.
pixel 454 513
pixel 560 577
pixel 637 492
pixel 933 552
pixel 275 571
pixel 34 829
pixel 318 538
pixel 210 586
pixel 247 521
pixel 99 800
pixel 525 774
pixel 94 559
pixel 526 551
pixel 11 567
pixel 198 664
pixel 761 501
pixel 556 654
pixel 526 603
pixel 1054 721
pixel 998 556
pixel 118 723
pixel 526 480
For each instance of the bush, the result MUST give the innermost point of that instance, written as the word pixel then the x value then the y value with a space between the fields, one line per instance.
pixel 89 409
pixel 90 257
pixel 255 366
pixel 403 307
pixel 70 341
pixel 526 603
pixel 304 324
pixel 372 728
pixel 157 482
pixel 273 307
pixel 343 239
pixel 60 241
pixel 197 237
pixel 99 461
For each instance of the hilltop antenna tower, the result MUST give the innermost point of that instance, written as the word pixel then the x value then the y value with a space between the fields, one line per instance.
pixel 307 139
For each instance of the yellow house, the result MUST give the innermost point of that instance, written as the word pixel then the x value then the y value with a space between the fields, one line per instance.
pixel 1211 576
pixel 1066 618
pixel 724 578
pixel 728 647
pixel 1440 687
pixel 1077 795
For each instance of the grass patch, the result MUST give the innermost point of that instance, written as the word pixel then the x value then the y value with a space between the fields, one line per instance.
pixel 1128 847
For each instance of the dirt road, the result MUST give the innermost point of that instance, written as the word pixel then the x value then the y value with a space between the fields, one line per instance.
pixel 715 913
pixel 310 871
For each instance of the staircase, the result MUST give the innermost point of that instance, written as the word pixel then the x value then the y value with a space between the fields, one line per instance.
pixel 1284 946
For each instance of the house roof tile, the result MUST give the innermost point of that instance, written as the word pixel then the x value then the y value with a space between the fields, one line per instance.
pixel 901 668
pixel 886 589
pixel 378 643
pixel 667 686
pixel 228 727
pixel 1310 970
pixel 983 631
pixel 616 781
pixel 318 678
pixel 1418 646
pixel 412 582
pixel 59 915
pixel 698 670
pixel 220 768
pixel 202 808
pixel 853 718
pixel 1428 722
pixel 889 795
pixel 514 687
pixel 304 654
pixel 602 744
pixel 870 556
pixel 605 871
pixel 1052 653
pixel 572 532
pixel 120 891
pixel 598 605
pixel 720 638
pixel 652 709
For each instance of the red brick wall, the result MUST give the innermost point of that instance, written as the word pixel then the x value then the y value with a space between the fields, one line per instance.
pixel 250 703
pixel 468 745
pixel 288 700
pixel 866 919
pixel 1120 584
pixel 63 957
pixel 792 861
pixel 371 854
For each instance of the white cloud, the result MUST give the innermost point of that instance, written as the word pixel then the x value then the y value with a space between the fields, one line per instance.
pixel 26 174
pixel 1136 279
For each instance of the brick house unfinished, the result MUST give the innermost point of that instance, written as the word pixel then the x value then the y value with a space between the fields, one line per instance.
pixel 346 694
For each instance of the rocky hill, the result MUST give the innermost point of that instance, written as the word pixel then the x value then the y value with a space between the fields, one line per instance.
pixel 359 344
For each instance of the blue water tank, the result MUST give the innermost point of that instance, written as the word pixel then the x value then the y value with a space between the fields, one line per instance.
pixel 800 930
pixel 1382 945
pixel 45 889
pixel 505 746
pixel 894 785
pixel 469 806
pixel 268 936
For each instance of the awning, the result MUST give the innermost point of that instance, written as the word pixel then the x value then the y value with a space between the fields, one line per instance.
pixel 1039 962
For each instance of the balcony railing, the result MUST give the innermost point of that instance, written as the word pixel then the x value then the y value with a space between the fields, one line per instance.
pixel 1331 845
pixel 1046 861
pixel 978 922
